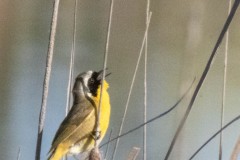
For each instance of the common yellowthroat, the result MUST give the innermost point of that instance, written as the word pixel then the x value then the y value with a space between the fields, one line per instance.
pixel 75 134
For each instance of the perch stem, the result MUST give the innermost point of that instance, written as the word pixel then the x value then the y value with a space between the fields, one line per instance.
pixel 97 129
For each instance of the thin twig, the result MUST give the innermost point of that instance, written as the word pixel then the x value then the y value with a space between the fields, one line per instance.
pixel 19 153
pixel 213 136
pixel 106 153
pixel 97 129
pixel 202 78
pixel 145 88
pixel 71 65
pixel 224 85
pixel 152 119
pixel 131 87
pixel 47 79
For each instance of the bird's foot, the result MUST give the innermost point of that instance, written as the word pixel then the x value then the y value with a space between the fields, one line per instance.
pixel 96 134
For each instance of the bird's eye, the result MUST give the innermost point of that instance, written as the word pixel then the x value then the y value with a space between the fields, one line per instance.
pixel 91 80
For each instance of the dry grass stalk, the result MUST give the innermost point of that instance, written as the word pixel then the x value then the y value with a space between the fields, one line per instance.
pixel 47 79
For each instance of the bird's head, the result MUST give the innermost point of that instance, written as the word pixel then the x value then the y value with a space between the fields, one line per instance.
pixel 89 82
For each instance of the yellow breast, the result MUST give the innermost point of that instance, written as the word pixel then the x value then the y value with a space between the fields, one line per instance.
pixel 105 108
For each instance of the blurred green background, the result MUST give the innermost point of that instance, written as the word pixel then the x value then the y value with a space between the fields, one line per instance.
pixel 181 37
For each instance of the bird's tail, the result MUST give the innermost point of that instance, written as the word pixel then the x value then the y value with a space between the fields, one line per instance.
pixel 57 153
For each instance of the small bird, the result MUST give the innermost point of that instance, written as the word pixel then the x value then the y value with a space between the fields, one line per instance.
pixel 76 133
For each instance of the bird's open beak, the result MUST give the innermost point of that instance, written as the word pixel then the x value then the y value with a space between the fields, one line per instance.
pixel 100 75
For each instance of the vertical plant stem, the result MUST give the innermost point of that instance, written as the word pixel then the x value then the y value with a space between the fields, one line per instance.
pixel 224 85
pixel 131 87
pixel 145 88
pixel 97 129
pixel 71 65
pixel 47 79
